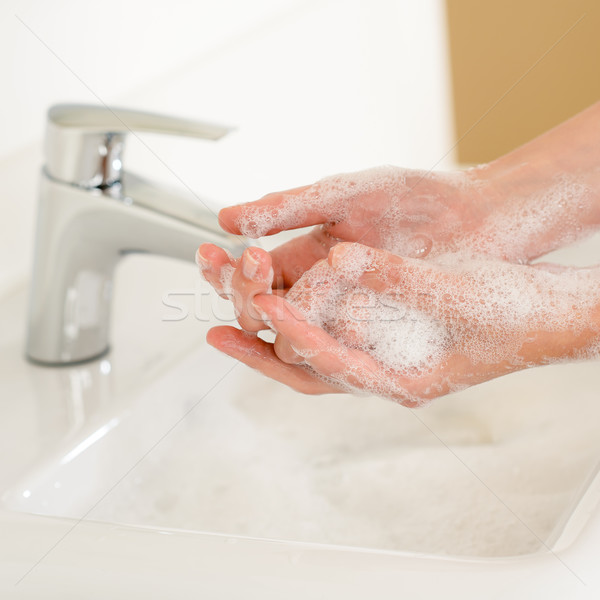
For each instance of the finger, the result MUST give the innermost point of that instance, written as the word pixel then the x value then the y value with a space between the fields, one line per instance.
pixel 318 349
pixel 253 276
pixel 292 259
pixel 354 369
pixel 259 355
pixel 216 266
pixel 291 209
pixel 322 202
pixel 420 284
pixel 313 289
pixel 283 349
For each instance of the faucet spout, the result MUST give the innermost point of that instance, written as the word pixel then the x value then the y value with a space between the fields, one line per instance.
pixel 82 232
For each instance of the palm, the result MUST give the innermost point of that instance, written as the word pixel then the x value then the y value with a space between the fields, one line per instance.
pixel 488 318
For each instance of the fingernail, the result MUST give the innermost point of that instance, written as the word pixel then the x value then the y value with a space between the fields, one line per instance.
pixel 250 266
pixel 337 254
pixel 260 311
pixel 255 268
pixel 369 277
pixel 201 260
pixel 264 317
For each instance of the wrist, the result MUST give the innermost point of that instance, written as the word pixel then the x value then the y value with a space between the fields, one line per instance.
pixel 534 207
pixel 515 227
pixel 578 337
pixel 551 185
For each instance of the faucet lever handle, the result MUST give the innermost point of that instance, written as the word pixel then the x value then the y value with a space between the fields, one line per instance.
pixel 84 143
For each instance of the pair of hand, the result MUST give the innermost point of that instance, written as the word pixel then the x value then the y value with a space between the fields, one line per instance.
pixel 355 307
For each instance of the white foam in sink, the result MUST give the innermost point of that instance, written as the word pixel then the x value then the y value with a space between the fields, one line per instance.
pixel 493 471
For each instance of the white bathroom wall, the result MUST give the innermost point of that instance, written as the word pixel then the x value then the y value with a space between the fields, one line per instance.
pixel 313 87
pixel 87 51
pixel 95 52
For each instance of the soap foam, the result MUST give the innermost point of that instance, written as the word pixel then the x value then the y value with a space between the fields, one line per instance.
pixel 416 213
pixel 226 279
pixel 404 341
pixel 256 459
pixel 494 308
pixel 331 196
pixel 543 220
pixel 384 204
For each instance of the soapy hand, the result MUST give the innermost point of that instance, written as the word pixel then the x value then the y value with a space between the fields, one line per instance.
pixel 521 206
pixel 412 213
pixel 502 210
pixel 401 210
pixel 413 330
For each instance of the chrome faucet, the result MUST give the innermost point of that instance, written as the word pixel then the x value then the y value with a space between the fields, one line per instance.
pixel 91 213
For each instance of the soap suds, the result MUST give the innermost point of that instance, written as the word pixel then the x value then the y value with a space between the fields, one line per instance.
pixel 256 459
pixel 419 213
pixel 544 220
pixel 397 335
pixel 226 279
pixel 446 219
pixel 494 308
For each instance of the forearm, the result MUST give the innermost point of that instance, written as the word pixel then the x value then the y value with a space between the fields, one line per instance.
pixel 578 296
pixel 550 187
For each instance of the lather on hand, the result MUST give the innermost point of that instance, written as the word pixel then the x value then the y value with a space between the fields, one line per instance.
pixel 521 206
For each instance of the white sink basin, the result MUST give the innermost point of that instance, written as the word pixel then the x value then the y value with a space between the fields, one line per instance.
pixel 166 466
pixel 166 433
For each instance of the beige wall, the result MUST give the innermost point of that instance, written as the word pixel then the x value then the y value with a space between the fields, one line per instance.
pixel 530 63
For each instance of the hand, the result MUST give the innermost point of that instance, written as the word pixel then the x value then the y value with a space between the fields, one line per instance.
pixel 483 319
pixel 404 211
pixel 527 203
pixel 516 208
pixel 523 205
pixel 238 280
pixel 413 213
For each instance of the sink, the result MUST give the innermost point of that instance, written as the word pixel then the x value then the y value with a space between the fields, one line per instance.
pixel 165 433
pixel 164 467
pixel 165 470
